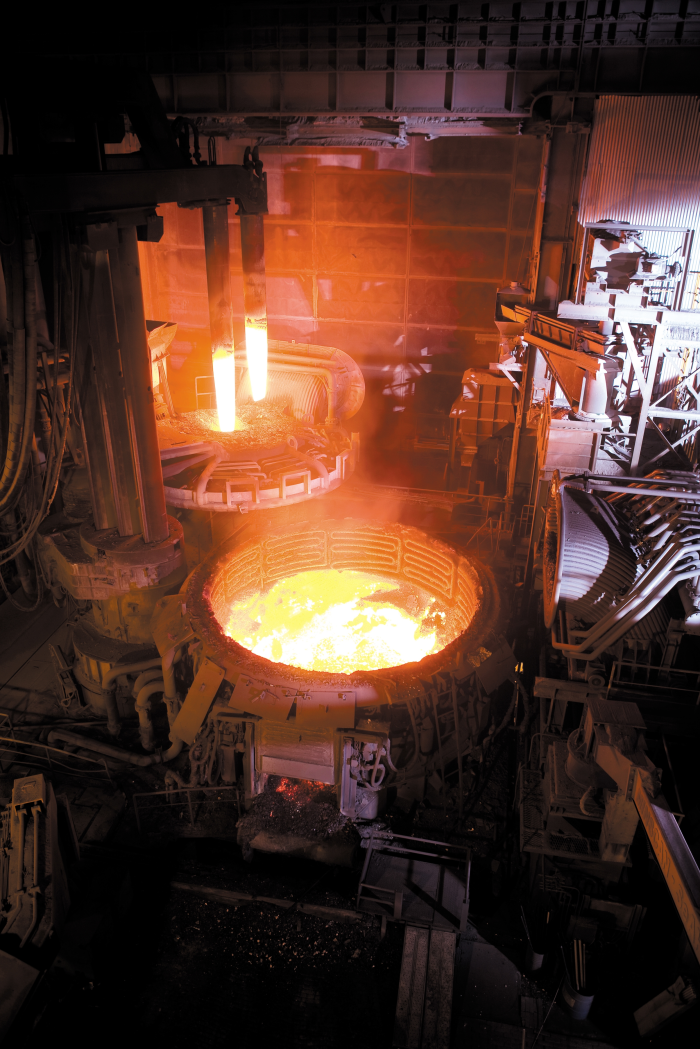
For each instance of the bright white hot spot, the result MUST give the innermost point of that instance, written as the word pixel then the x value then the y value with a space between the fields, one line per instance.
pixel 225 385
pixel 340 621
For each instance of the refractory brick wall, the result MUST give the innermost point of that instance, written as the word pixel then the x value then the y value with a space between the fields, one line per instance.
pixel 393 256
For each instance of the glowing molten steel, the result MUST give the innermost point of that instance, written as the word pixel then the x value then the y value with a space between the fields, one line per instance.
pixel 339 621
pixel 256 352
pixel 225 384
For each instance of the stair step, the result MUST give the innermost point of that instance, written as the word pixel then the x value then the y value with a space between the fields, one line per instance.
pixel 424 1002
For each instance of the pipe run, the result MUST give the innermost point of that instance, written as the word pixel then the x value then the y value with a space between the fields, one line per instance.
pixel 143 709
pixel 651 588
pixel 171 700
pixel 154 675
pixel 128 757
pixel 144 678
pixel 109 679
pixel 109 685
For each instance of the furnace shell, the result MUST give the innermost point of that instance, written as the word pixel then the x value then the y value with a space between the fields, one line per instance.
pixel 396 551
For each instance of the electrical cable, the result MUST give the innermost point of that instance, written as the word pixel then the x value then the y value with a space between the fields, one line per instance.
pixel 16 604
pixel 56 449
pixel 19 451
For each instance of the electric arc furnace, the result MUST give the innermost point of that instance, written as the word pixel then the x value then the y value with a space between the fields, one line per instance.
pixel 431 624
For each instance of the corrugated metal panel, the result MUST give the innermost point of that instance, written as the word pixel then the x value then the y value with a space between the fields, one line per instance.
pixel 644 166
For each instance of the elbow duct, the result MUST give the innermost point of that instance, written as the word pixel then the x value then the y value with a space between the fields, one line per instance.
pixel 75 739
pixel 608 562
pixel 143 709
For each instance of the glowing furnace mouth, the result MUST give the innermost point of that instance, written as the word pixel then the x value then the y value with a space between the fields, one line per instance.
pixel 325 731
pixel 342 621
pixel 440 601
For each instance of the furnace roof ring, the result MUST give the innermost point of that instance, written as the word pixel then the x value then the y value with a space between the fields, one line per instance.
pixel 294 446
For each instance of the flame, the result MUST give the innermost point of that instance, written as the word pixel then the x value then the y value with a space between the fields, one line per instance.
pixel 323 620
pixel 225 384
pixel 256 352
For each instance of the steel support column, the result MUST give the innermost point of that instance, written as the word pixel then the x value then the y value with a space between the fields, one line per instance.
pixel 136 366
pixel 87 405
pixel 104 340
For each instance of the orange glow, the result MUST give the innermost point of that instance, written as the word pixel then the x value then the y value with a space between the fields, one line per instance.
pixel 256 352
pixel 225 384
pixel 298 790
pixel 336 621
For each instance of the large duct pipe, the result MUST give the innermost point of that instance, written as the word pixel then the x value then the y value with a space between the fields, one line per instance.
pixel 608 562
pixel 588 555
pixel 75 739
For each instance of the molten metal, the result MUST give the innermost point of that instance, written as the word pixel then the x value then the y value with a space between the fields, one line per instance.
pixel 340 621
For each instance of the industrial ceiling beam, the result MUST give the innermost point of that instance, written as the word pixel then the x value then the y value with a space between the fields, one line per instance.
pixel 91 193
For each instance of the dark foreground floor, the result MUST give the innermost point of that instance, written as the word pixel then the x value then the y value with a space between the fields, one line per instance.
pixel 178 970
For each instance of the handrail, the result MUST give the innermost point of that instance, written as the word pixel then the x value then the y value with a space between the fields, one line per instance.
pixel 55 750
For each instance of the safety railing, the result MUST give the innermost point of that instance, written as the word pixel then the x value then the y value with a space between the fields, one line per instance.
pixel 488 533
pixel 49 757
pixel 631 674
pixel 388 900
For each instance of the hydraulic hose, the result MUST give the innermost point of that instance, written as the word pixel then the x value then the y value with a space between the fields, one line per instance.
pixel 55 456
